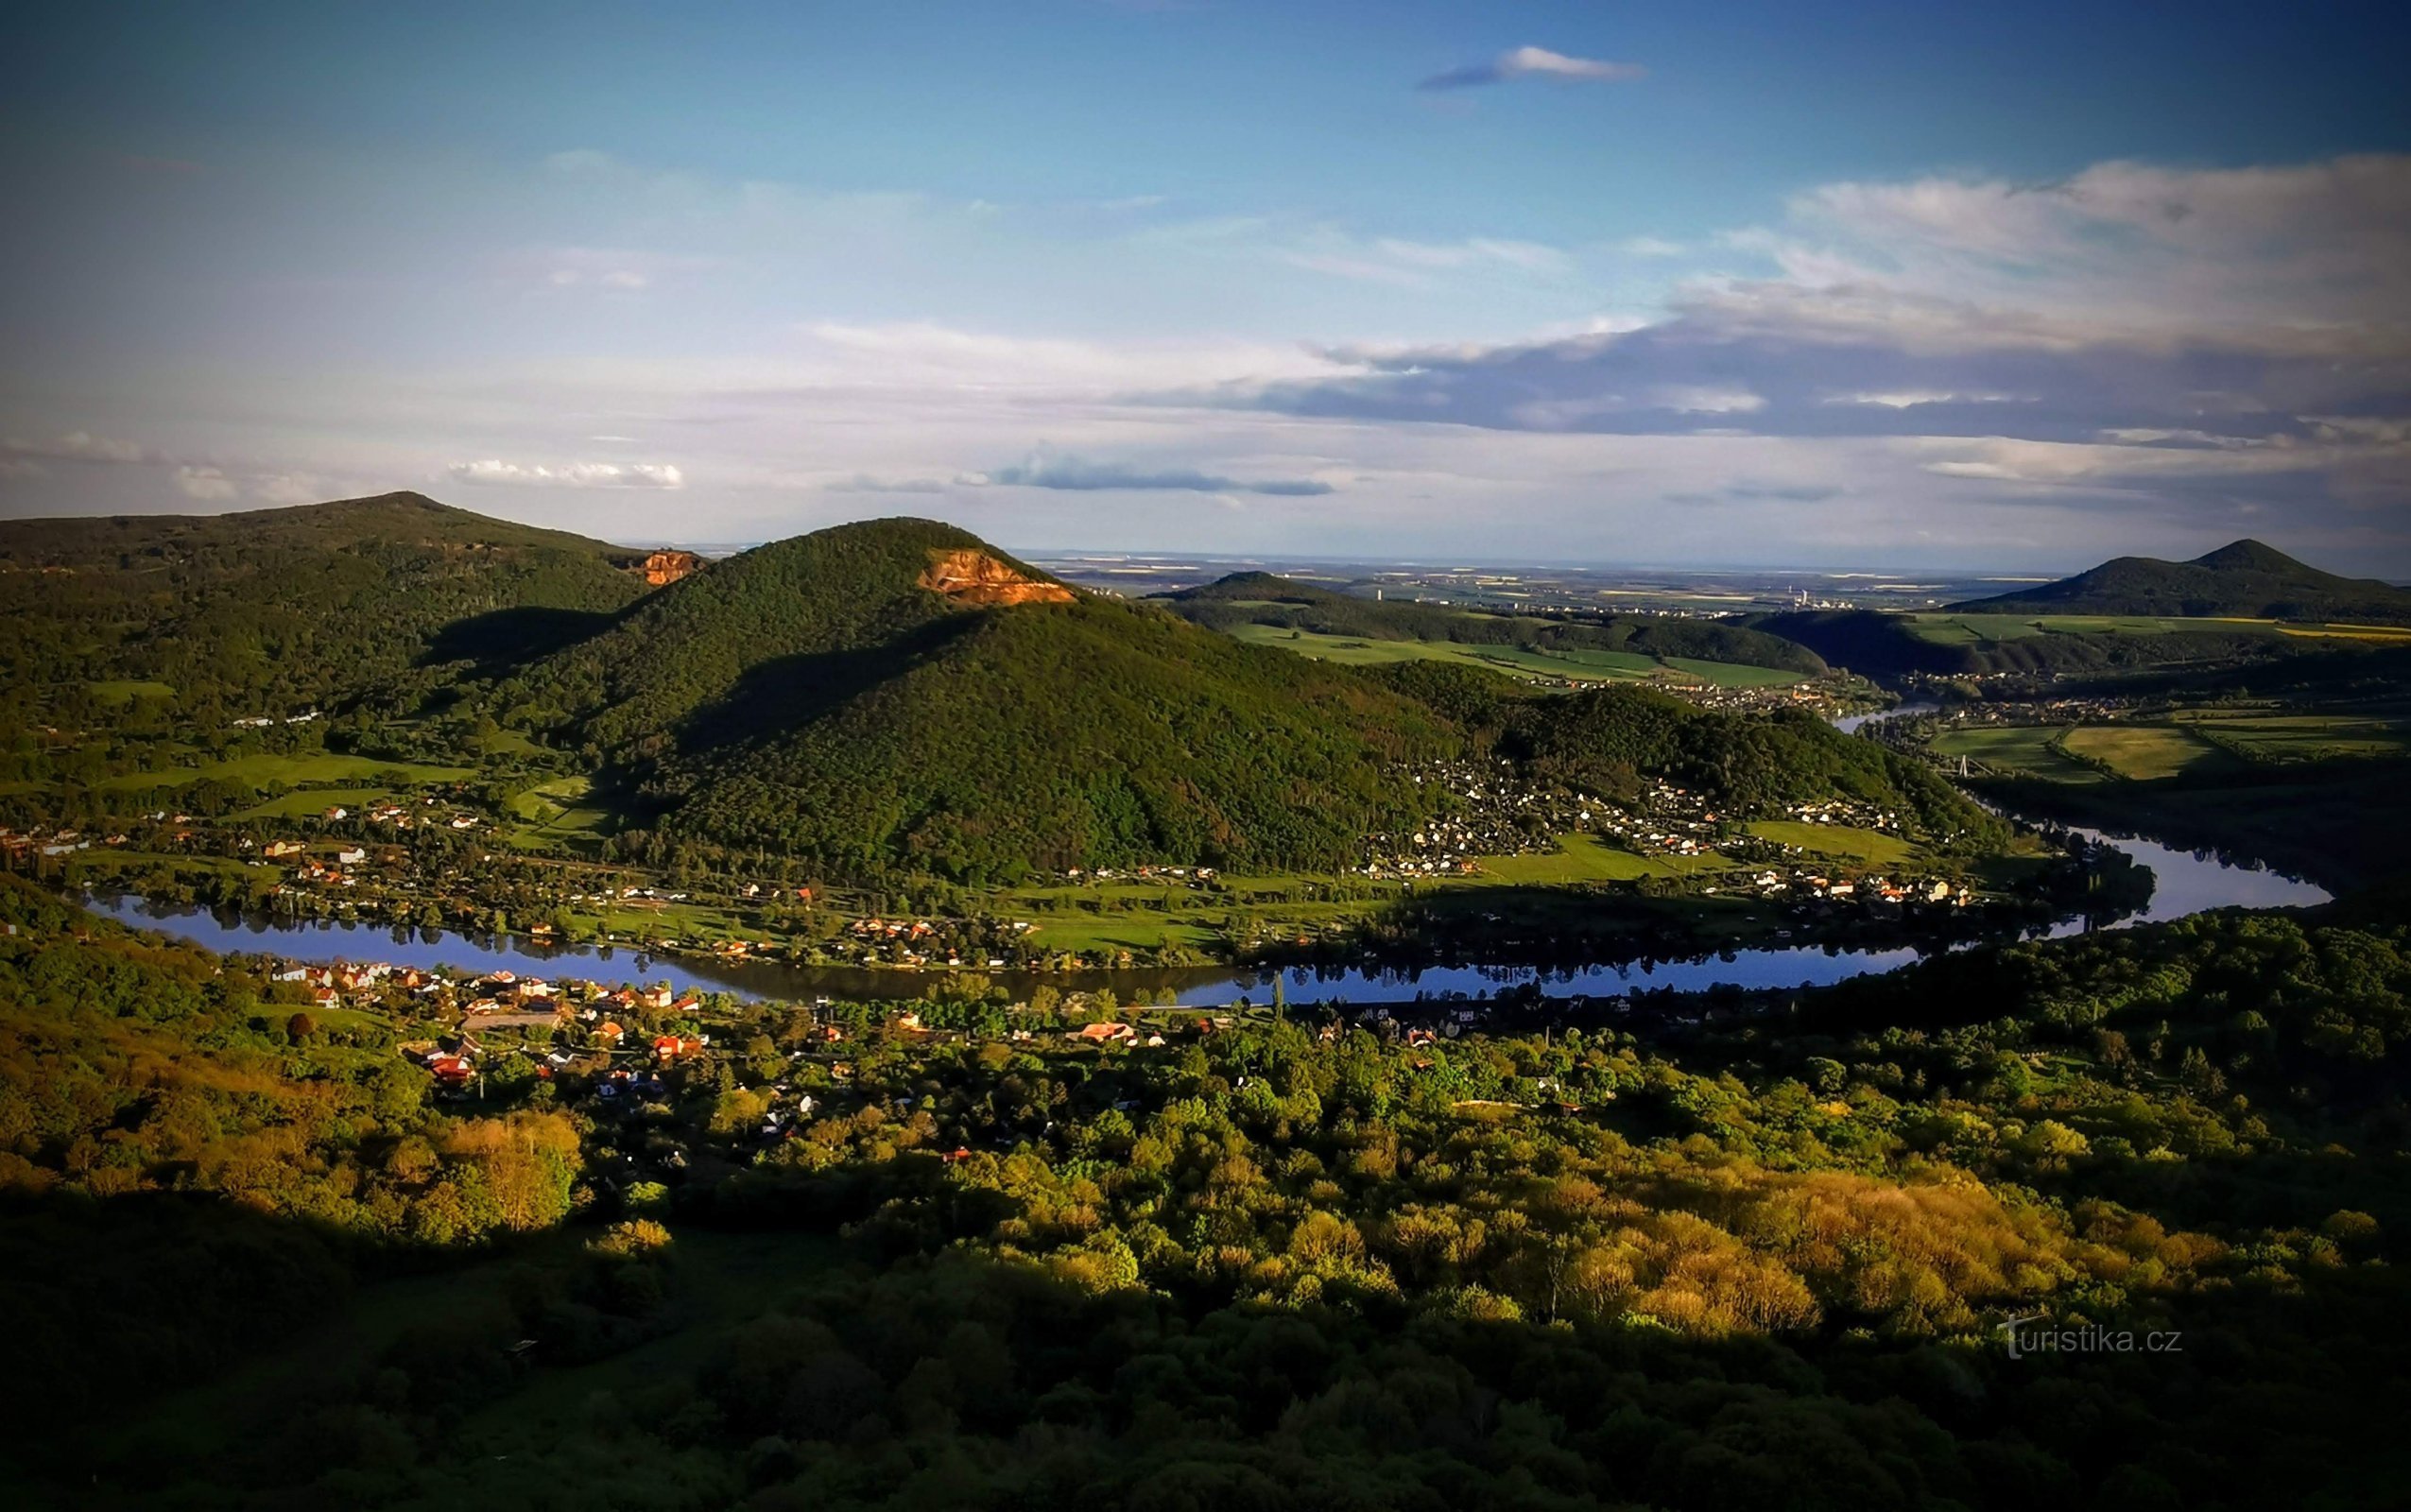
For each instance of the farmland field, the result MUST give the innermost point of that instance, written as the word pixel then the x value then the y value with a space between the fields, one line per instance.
pixel 2145 751
pixel 262 770
pixel 2305 736
pixel 1577 665
pixel 1870 845
pixel 1972 629
pixel 2021 749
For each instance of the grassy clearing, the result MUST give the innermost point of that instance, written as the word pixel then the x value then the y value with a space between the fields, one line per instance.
pixel 309 802
pixel 119 694
pixel 1580 858
pixel 1577 665
pixel 1976 630
pixel 555 814
pixel 263 770
pixel 2145 752
pixel 2306 737
pixel 1734 675
pixel 1872 847
pixel 2021 749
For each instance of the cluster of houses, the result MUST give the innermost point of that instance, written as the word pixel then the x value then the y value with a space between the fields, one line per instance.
pixel 919 942
pixel 1844 812
pixel 1492 815
pixel 264 721
pixel 56 843
pixel 1811 884
pixel 1168 875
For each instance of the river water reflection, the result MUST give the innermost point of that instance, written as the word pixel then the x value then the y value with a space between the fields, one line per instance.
pixel 2186 883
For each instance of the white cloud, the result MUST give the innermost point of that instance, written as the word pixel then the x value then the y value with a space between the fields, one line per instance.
pixel 82 446
pixel 570 475
pixel 1532 62
pixel 1529 256
pixel 207 484
pixel 292 488
pixel 1047 469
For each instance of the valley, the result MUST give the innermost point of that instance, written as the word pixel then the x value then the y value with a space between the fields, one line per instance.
pixel 609 991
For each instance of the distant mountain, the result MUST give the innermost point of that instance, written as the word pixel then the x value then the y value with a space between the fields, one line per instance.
pixel 899 694
pixel 2245 580
pixel 1266 598
pixel 293 606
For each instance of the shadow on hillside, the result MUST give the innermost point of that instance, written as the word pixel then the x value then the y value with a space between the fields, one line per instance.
pixel 509 639
pixel 788 693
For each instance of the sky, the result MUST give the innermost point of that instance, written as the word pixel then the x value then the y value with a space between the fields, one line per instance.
pixel 2007 287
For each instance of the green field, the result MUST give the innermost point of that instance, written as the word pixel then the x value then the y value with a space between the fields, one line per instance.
pixel 2145 751
pixel 1872 846
pixel 304 803
pixel 1581 858
pixel 2019 749
pixel 1577 665
pixel 117 695
pixel 262 771
pixel 554 814
pixel 1975 629
pixel 2288 738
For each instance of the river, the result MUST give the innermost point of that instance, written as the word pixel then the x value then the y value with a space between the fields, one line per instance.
pixel 2185 882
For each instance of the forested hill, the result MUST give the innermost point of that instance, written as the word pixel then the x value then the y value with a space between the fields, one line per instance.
pixel 1877 644
pixel 898 693
pixel 2245 580
pixel 282 610
pixel 1266 598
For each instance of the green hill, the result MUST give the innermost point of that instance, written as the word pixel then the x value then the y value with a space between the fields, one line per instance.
pixel 898 695
pixel 1266 598
pixel 2245 579
pixel 287 609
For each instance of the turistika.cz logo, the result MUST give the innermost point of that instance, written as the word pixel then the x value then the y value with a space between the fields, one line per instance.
pixel 2023 1338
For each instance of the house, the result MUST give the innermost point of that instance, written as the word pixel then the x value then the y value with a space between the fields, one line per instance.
pixel 453 1071
pixel 1100 1034
pixel 281 848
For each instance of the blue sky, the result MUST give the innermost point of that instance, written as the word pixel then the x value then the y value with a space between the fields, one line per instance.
pixel 2013 286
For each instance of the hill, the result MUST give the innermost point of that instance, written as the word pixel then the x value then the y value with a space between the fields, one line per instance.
pixel 2245 579
pixel 287 609
pixel 900 695
pixel 896 696
pixel 1879 644
pixel 1266 598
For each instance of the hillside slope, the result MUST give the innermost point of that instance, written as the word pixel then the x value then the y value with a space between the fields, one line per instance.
pixel 2244 578
pixel 284 608
pixel 1878 644
pixel 898 695
pixel 1266 598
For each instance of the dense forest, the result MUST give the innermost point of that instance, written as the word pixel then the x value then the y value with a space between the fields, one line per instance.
pixel 1713 1253
pixel 280 611
pixel 1265 598
pixel 818 698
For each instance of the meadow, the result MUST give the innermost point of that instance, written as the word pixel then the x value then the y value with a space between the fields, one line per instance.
pixel 1575 665
pixel 1945 629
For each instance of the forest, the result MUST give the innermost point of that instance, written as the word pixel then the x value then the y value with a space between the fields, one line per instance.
pixel 1746 1250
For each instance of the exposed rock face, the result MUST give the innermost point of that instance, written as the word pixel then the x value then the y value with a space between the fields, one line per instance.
pixel 664 567
pixel 976 578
